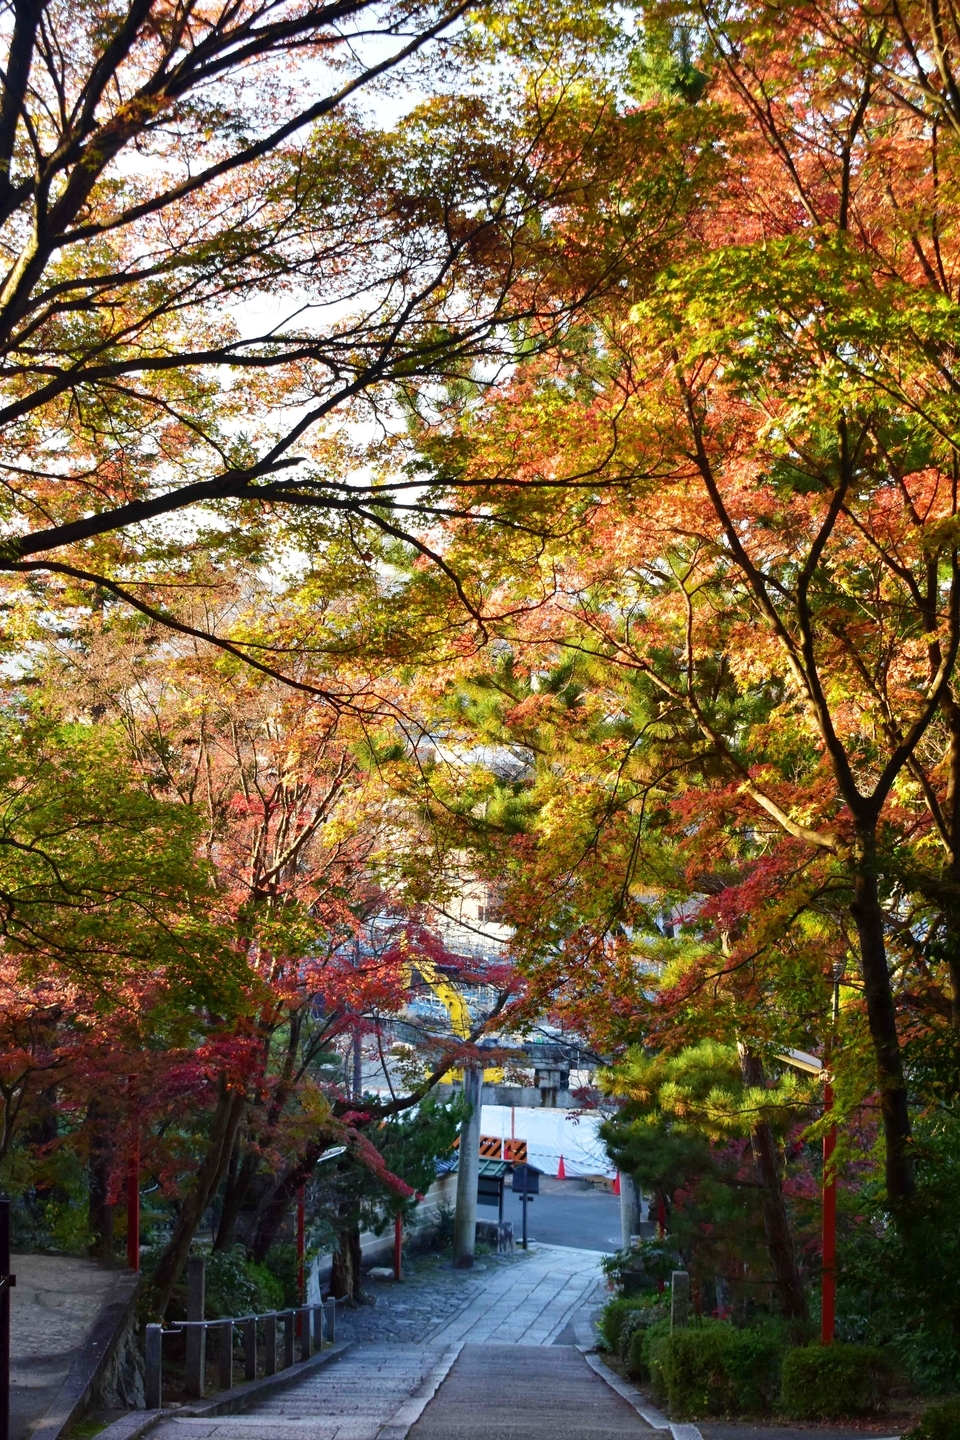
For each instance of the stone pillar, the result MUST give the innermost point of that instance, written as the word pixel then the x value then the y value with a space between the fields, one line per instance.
pixel 629 1210
pixel 153 1360
pixel 468 1169
pixel 679 1299
pixel 196 1336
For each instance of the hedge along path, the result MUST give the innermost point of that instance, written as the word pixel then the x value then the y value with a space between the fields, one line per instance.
pixel 722 1429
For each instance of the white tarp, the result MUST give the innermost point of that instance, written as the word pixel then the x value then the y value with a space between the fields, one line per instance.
pixel 550 1134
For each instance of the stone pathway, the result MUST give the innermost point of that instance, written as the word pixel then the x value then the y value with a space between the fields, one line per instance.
pixel 524 1299
pixel 516 1304
pixel 505 1392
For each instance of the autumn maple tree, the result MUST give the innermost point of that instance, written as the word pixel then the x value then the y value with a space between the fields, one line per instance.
pixel 225 273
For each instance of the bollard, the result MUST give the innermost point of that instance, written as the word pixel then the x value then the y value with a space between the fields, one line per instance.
pixel 270 1343
pixel 318 1327
pixel 289 1335
pixel 250 1348
pixel 226 1355
pixel 195 1378
pixel 331 1318
pixel 679 1299
pixel 303 1315
pixel 152 1382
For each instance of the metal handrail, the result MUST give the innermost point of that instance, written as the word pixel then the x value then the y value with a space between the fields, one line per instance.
pixel 317 1326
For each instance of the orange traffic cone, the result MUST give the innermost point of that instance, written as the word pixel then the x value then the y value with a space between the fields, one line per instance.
pixel 616 1184
pixel 561 1170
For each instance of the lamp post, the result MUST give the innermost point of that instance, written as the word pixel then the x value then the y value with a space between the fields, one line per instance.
pixel 800 1060
pixel 828 1289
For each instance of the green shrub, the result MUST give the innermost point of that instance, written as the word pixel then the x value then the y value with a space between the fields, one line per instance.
pixel 941 1422
pixel 235 1286
pixel 637 1365
pixel 711 1368
pixel 828 1382
pixel 652 1259
pixel 635 1322
pixel 281 1263
pixel 652 1358
pixel 613 1317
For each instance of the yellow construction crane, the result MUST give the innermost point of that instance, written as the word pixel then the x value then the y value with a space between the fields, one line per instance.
pixel 452 1001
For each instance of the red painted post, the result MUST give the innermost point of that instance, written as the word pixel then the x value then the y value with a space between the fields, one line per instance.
pixel 661 1230
pixel 828 1291
pixel 398 1247
pixel 133 1181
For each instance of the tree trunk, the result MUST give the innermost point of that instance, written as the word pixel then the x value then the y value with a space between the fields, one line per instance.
pixel 239 1179
pixel 276 1207
pixel 206 1182
pixel 776 1222
pixel 882 1020
pixel 346 1271
pixel 951 810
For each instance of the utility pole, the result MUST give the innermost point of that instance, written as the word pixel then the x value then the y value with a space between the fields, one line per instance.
pixel 468 1172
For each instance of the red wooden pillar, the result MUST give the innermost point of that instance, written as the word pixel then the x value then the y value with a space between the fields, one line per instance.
pixel 828 1303
pixel 133 1181
pixel 661 1230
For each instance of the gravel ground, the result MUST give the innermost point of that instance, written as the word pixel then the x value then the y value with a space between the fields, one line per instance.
pixel 431 1291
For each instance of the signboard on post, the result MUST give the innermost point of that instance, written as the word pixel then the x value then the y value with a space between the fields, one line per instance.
pixel 526 1182
pixel 490 1184
pixel 526 1179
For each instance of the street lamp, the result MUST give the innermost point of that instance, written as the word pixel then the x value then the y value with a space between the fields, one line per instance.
pixel 302 1218
pixel 800 1060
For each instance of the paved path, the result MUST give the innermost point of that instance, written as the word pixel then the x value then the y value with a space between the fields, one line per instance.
pixel 527 1298
pixel 505 1392
pixel 519 1306
pixel 495 1359
pixel 530 1305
